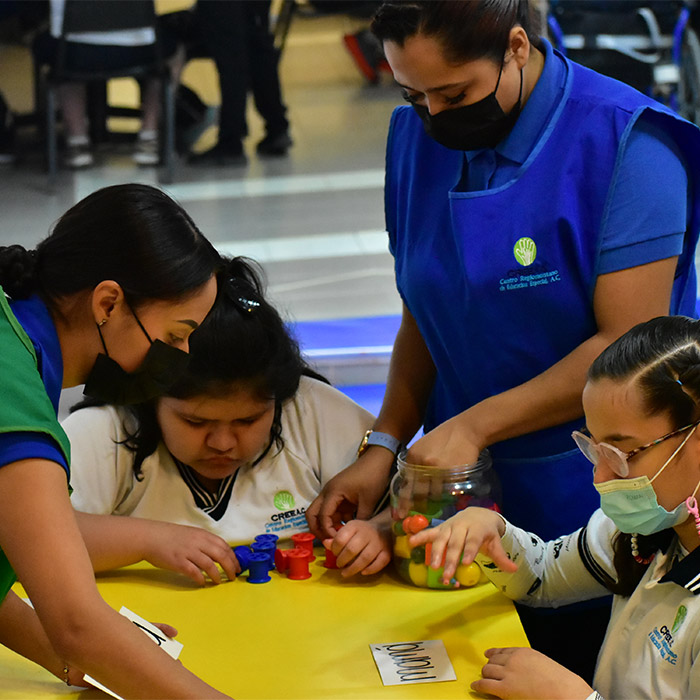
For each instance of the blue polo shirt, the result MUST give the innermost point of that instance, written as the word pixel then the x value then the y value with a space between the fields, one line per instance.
pixel 34 317
pixel 647 215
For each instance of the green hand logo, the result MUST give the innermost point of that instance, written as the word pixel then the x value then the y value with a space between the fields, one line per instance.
pixel 283 500
pixel 525 251
pixel 680 616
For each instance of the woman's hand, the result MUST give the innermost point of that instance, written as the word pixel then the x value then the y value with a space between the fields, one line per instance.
pixel 191 551
pixel 449 444
pixel 519 673
pixel 353 493
pixel 461 537
pixel 362 546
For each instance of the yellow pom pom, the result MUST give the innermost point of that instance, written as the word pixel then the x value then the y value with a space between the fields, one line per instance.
pixel 401 548
pixel 468 575
pixel 418 573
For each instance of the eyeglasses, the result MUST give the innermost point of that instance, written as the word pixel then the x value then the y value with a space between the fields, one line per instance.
pixel 616 459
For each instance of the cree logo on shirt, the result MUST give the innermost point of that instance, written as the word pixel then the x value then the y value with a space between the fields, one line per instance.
pixel 283 500
pixel 680 617
pixel 525 251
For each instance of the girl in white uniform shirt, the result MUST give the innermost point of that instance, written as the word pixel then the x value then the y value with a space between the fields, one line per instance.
pixel 240 446
pixel 642 406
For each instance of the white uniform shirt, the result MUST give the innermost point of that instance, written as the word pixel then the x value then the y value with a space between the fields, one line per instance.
pixel 653 639
pixel 321 427
pixel 124 37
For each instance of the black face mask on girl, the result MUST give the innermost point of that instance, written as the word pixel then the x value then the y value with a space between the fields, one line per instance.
pixel 482 124
pixel 160 369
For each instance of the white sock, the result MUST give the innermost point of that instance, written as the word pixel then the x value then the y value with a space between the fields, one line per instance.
pixel 79 140
pixel 148 135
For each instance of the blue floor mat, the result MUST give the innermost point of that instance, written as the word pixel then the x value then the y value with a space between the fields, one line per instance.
pixel 346 335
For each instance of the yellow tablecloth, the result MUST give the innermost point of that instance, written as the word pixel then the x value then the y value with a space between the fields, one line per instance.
pixel 297 639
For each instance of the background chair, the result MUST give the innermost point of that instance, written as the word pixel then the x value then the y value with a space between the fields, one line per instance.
pixel 649 44
pixel 107 15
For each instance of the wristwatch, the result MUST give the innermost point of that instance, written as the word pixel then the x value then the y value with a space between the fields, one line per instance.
pixel 372 437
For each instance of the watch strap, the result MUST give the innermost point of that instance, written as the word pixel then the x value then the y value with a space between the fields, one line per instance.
pixel 374 437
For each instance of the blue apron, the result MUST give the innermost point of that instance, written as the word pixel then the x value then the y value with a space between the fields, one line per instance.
pixel 501 281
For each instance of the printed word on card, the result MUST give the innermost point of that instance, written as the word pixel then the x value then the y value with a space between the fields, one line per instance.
pixel 402 663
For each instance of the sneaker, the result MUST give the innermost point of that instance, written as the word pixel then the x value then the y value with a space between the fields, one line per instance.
pixel 78 155
pixel 147 151
pixel 274 145
pixel 218 157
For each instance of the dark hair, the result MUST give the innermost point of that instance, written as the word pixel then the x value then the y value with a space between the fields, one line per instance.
pixel 662 357
pixel 243 342
pixel 133 234
pixel 465 29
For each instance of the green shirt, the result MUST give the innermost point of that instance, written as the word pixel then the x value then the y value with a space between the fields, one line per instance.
pixel 25 405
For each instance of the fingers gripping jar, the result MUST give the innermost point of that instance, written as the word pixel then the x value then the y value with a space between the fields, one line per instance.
pixel 423 497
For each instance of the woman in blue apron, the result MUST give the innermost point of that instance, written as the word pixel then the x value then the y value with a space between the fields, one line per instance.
pixel 108 300
pixel 536 210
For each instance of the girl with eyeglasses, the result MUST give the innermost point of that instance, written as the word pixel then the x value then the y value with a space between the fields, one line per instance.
pixel 642 408
pixel 238 447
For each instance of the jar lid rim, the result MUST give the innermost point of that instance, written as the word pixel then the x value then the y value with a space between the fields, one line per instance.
pixel 482 462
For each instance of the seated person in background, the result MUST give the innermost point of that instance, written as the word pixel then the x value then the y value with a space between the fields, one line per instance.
pixel 98 51
pixel 642 415
pixel 240 446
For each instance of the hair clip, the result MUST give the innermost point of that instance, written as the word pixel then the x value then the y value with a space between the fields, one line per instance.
pixel 242 295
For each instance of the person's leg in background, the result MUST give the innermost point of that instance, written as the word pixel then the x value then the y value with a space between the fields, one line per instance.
pixel 221 26
pixel 264 79
pixel 7 134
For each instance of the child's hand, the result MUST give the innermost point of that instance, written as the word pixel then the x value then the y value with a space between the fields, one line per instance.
pixel 361 546
pixel 461 537
pixel 519 672
pixel 190 551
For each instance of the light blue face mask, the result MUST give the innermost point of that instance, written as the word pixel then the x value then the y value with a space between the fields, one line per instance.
pixel 632 505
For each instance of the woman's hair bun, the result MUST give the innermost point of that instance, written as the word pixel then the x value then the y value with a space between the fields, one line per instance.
pixel 18 273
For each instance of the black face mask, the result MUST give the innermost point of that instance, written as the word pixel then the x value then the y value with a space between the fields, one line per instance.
pixel 159 370
pixel 482 124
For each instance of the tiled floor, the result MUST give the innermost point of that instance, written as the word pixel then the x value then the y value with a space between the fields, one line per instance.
pixel 314 219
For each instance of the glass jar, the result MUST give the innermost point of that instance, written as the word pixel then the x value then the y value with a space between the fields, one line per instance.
pixel 425 497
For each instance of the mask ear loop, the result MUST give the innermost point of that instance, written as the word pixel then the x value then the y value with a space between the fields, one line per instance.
pixel 500 75
pixel 102 340
pixel 145 332
pixel 691 505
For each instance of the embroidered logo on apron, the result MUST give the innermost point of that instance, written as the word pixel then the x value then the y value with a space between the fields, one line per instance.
pixel 537 275
pixel 525 251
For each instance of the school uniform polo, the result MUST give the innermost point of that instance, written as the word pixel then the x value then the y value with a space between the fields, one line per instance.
pixel 652 643
pixel 31 369
pixel 497 253
pixel 321 427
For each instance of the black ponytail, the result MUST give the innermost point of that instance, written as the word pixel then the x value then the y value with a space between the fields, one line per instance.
pixel 18 271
